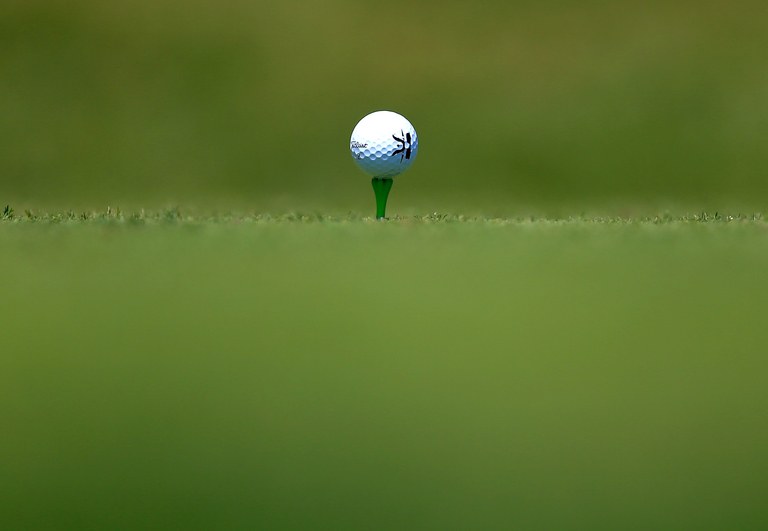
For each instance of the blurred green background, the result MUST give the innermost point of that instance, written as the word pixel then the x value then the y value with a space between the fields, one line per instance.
pixel 251 103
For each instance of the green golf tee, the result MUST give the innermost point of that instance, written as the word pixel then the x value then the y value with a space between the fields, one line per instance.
pixel 381 188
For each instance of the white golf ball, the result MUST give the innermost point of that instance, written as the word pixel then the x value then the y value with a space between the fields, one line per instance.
pixel 384 144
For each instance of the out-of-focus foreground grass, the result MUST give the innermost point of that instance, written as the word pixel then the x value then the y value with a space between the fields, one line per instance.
pixel 195 101
pixel 383 376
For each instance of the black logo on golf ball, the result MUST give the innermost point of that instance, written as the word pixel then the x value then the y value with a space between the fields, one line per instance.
pixel 404 146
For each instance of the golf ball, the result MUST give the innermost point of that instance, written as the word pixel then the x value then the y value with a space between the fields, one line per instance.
pixel 384 144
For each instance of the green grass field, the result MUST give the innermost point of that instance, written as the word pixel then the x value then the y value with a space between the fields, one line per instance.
pixel 170 371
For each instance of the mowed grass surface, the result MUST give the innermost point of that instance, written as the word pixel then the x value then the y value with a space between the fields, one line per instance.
pixel 248 373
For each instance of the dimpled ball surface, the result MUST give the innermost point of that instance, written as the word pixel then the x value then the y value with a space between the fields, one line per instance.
pixel 384 144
